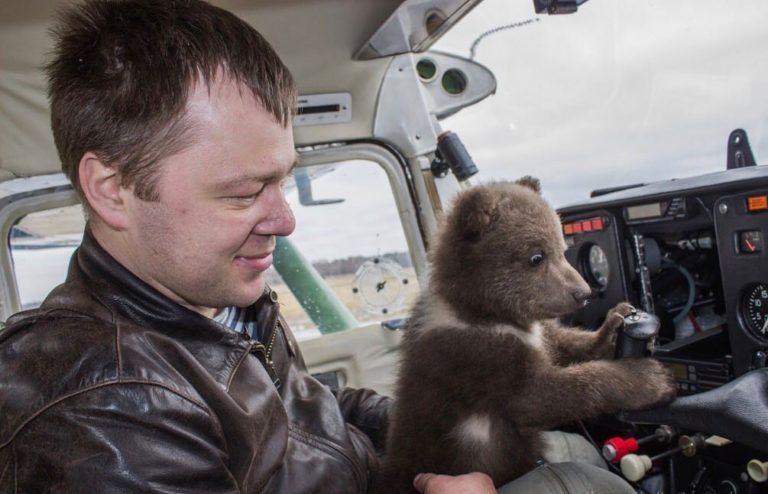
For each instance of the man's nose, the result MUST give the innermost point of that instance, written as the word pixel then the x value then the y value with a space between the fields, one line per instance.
pixel 279 219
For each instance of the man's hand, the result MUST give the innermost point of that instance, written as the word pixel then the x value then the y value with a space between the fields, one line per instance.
pixel 471 483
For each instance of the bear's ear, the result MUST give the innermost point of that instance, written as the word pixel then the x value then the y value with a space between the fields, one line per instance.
pixel 530 182
pixel 476 211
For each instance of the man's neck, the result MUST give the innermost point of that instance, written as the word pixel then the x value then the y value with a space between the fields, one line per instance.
pixel 112 242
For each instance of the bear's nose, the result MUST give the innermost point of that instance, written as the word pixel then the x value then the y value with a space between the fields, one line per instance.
pixel 582 297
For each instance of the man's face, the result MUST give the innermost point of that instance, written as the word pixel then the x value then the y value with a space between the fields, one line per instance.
pixel 209 238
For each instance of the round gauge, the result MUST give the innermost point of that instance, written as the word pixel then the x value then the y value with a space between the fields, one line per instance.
pixel 754 309
pixel 750 242
pixel 380 286
pixel 595 266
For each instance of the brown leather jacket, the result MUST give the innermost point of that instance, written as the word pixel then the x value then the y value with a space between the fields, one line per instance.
pixel 111 387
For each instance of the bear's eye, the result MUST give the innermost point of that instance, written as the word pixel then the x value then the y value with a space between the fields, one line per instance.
pixel 536 259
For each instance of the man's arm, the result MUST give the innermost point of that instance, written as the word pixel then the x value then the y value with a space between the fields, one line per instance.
pixel 366 410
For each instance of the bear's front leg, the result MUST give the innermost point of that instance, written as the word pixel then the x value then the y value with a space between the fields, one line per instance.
pixel 605 343
pixel 573 345
pixel 561 395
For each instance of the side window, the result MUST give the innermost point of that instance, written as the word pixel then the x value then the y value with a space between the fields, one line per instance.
pixel 41 245
pixel 347 263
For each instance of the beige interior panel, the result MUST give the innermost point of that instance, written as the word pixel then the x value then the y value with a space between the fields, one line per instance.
pixel 365 357
pixel 317 42
pixel 26 143
pixel 315 38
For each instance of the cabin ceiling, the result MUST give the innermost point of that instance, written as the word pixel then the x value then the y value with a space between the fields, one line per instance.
pixel 316 39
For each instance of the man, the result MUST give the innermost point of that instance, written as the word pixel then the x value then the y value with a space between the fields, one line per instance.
pixel 162 363
pixel 173 122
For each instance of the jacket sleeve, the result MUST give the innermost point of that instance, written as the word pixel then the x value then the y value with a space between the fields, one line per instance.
pixel 120 438
pixel 366 410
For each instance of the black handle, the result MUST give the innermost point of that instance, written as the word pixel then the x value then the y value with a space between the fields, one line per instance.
pixel 638 335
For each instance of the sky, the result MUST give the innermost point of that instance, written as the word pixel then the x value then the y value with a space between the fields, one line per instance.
pixel 621 92
pixel 365 223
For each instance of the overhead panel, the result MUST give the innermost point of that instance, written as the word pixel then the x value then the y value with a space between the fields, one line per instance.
pixel 414 27
pixel 419 89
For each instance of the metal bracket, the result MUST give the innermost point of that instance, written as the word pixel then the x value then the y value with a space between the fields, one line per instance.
pixel 739 150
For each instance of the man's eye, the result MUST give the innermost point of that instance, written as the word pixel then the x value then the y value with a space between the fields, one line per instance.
pixel 536 259
pixel 244 199
pixel 249 197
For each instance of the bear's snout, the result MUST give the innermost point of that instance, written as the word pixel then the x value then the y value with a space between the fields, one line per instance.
pixel 582 296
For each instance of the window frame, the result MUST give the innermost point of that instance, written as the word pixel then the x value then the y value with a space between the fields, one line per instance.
pixel 29 195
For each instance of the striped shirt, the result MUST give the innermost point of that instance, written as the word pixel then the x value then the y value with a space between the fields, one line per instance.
pixel 239 319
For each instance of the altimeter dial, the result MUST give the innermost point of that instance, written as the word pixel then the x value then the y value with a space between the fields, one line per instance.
pixel 754 309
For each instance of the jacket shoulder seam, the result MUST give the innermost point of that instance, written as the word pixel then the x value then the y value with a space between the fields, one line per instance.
pixel 105 384
pixel 45 314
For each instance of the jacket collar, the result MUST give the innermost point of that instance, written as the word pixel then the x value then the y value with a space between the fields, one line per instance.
pixel 95 276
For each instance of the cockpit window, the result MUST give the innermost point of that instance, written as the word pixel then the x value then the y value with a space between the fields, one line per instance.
pixel 41 245
pixel 616 94
pixel 347 263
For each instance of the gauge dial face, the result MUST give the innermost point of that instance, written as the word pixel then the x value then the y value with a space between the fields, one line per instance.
pixel 754 309
pixel 750 242
pixel 597 267
pixel 380 286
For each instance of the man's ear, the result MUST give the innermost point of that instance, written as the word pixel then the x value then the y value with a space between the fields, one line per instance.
pixel 101 187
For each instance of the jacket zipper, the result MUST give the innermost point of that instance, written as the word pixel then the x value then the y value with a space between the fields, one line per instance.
pixel 264 355
pixel 268 355
pixel 272 341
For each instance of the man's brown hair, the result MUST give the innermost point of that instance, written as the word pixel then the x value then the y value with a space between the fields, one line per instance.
pixel 122 71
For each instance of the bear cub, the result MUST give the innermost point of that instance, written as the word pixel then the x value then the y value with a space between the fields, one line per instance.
pixel 485 364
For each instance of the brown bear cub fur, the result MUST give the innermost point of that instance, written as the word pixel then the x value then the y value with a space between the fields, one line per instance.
pixel 486 366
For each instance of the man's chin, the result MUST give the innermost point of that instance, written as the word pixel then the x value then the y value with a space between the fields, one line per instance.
pixel 250 294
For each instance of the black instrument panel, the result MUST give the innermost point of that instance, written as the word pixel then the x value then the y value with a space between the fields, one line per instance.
pixel 740 222
pixel 594 248
pixel 692 252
